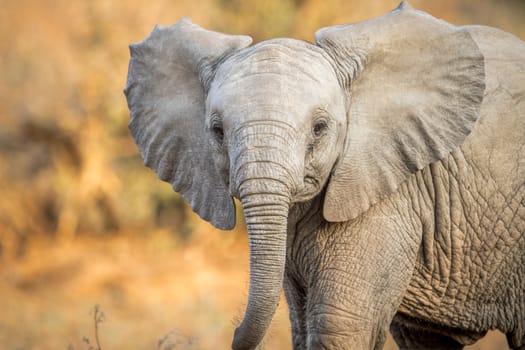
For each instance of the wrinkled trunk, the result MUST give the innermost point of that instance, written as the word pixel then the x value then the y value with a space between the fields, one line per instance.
pixel 263 176
pixel 266 219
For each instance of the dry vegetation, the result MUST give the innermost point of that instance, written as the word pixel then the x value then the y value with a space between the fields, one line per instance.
pixel 82 222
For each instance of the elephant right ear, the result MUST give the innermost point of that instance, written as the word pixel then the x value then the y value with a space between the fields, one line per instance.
pixel 166 96
pixel 415 85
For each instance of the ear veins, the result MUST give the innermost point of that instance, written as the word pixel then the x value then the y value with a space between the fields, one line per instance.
pixel 208 67
pixel 347 63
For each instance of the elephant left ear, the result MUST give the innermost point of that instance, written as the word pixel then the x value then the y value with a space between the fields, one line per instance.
pixel 415 85
pixel 166 90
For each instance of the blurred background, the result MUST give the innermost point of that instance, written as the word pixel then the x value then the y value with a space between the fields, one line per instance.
pixel 84 223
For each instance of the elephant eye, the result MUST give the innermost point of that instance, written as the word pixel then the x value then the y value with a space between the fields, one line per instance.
pixel 319 128
pixel 218 132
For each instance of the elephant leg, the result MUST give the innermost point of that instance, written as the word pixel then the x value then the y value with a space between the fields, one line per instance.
pixel 295 296
pixel 331 327
pixel 335 322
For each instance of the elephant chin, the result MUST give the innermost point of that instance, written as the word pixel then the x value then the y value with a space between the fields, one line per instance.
pixel 266 219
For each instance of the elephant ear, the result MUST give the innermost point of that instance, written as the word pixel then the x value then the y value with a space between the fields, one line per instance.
pixel 166 95
pixel 415 85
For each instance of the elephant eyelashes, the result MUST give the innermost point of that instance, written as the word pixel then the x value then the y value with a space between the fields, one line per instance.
pixel 319 128
pixel 217 131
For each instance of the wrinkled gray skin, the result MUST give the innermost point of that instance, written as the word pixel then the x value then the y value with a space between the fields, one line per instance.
pixel 381 172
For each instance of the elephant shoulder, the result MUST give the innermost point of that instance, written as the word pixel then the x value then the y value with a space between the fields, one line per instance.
pixel 494 39
pixel 501 49
pixel 496 144
pixel 504 56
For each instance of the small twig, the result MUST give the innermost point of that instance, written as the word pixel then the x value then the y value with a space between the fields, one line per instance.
pixel 98 317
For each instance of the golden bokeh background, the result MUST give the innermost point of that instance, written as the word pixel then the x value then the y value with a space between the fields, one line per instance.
pixel 82 222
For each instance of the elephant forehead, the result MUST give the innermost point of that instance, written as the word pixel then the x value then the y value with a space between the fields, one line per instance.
pixel 287 57
pixel 279 72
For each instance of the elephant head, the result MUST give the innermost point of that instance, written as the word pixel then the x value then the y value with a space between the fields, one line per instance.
pixel 283 121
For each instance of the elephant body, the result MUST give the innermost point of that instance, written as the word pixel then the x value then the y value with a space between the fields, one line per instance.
pixel 381 172
pixel 469 274
pixel 451 240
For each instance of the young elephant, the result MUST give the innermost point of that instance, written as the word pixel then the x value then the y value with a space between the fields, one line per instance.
pixel 381 172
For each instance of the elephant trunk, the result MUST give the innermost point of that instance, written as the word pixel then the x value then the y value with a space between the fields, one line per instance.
pixel 267 222
pixel 263 177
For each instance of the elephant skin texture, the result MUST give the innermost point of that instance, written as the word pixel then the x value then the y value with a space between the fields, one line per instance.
pixel 381 172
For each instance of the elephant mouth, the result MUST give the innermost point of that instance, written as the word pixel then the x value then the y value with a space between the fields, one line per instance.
pixel 311 188
pixel 310 181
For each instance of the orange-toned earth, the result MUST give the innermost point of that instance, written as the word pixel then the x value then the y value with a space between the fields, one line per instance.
pixel 155 292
